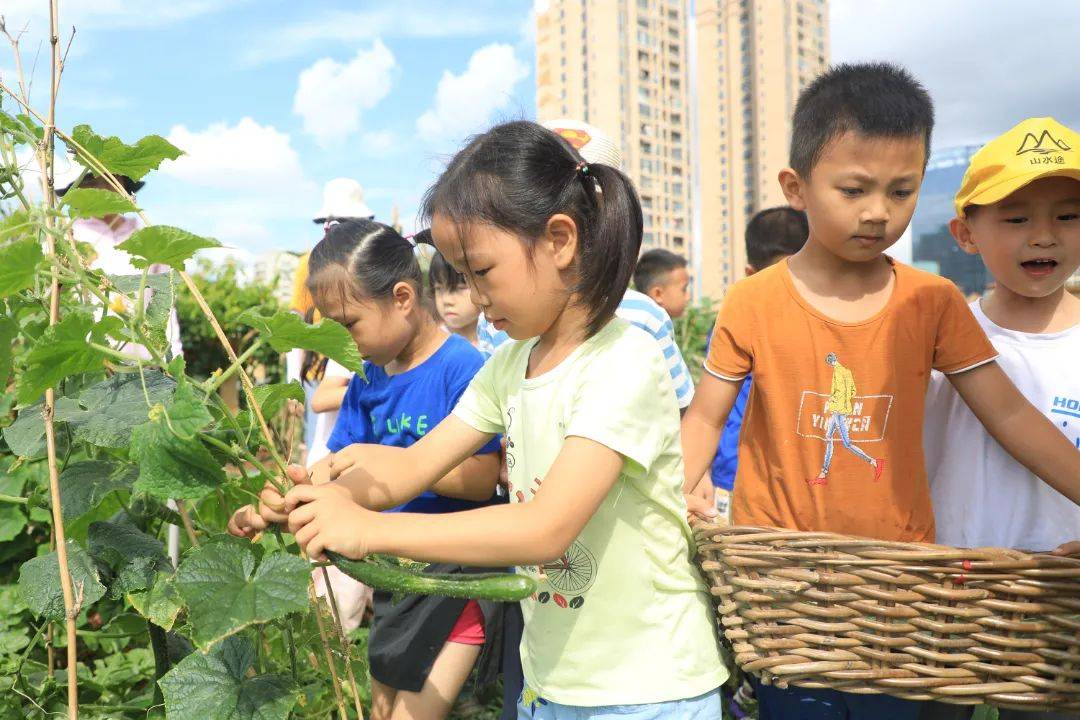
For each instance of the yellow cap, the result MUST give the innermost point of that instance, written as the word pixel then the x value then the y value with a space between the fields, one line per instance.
pixel 1034 149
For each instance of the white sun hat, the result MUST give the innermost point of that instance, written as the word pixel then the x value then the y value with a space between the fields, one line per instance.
pixel 343 198
pixel 594 145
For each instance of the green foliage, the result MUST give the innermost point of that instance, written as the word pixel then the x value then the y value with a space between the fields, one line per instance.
pixel 39 582
pixel 692 332
pixel 61 352
pixel 227 586
pixel 134 161
pixel 94 202
pixel 171 466
pixel 228 295
pixel 217 687
pixel 133 557
pixel 287 330
pixel 161 244
pixel 18 265
pixel 87 482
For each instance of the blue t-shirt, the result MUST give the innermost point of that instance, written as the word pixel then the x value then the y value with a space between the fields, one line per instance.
pixel 726 461
pixel 398 410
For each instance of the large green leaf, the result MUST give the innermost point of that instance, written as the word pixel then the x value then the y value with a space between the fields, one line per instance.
pixel 272 398
pixel 94 202
pixel 22 127
pixel 61 351
pixel 26 436
pixel 286 331
pixel 217 687
pixel 226 588
pixel 134 557
pixel 83 485
pixel 165 245
pixel 12 521
pixel 39 582
pixel 9 330
pixel 170 466
pixel 187 413
pixel 119 158
pixel 162 298
pixel 111 408
pixel 160 604
pixel 18 263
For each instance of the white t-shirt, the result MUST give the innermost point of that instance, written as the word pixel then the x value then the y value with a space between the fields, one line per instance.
pixel 982 496
pixel 324 421
pixel 623 617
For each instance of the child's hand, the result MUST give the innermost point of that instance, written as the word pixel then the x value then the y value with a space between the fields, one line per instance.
pixel 1069 548
pixel 697 508
pixel 324 517
pixel 246 522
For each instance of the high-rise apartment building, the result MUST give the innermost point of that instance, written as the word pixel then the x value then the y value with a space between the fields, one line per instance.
pixel 623 65
pixel 704 157
pixel 753 58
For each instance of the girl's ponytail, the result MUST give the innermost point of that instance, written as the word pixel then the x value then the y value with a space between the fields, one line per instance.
pixel 609 251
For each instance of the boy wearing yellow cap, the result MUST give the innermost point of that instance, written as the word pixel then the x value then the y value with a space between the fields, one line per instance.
pixel 841 339
pixel 1019 208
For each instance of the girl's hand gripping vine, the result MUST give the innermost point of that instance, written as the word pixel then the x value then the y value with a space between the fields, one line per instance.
pixel 249 521
pixel 325 517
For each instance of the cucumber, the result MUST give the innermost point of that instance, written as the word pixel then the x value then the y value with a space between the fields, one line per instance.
pixel 500 587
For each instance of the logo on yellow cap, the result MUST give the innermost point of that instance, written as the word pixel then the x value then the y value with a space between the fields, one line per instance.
pixel 1045 143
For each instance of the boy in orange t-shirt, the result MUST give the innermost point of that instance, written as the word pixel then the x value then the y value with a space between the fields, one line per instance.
pixel 841 340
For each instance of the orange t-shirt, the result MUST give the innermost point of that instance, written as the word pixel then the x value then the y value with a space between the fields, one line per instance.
pixel 832 434
pixel 301 302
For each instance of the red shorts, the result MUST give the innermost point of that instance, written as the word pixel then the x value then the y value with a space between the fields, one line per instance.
pixel 469 628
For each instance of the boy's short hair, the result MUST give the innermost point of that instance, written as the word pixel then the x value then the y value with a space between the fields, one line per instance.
pixel 653 266
pixel 775 232
pixel 872 99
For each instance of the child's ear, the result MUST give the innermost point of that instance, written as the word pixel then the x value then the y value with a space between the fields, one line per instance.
pixel 961 232
pixel 561 237
pixel 656 292
pixel 792 186
pixel 750 270
pixel 404 295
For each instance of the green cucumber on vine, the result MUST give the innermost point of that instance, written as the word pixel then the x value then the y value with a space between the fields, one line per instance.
pixel 397 579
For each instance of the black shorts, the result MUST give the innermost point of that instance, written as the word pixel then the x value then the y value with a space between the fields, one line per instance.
pixel 408 635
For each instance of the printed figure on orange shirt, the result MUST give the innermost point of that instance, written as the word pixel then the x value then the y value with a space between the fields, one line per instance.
pixel 839 406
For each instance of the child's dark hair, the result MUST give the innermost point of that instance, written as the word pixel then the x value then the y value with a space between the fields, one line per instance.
pixel 441 273
pixel 872 99
pixel 364 259
pixel 773 233
pixel 516 176
pixel 653 267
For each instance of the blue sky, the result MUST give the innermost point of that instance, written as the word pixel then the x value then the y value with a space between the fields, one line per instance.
pixel 272 98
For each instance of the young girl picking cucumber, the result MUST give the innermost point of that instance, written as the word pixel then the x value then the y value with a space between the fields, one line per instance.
pixel 621 623
pixel 366 276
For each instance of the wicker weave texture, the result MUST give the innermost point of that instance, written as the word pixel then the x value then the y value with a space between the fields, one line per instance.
pixel 919 621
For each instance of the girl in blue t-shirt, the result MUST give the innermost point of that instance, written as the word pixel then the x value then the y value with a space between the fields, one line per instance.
pixel 367 277
pixel 621 624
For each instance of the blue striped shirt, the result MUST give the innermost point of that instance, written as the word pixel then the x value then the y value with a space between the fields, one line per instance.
pixel 637 309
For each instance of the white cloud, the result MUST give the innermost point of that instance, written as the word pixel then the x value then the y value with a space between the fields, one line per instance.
pixel 987 65
pixel 241 184
pixel 382 142
pixel 238 157
pixel 465 103
pixel 405 18
pixel 330 96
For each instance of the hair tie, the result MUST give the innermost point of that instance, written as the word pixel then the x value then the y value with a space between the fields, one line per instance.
pixel 411 240
pixel 582 167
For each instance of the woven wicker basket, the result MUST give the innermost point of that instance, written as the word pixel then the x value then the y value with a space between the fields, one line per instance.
pixel 923 622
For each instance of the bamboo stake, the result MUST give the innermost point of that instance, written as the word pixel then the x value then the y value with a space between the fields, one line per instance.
pixel 45 160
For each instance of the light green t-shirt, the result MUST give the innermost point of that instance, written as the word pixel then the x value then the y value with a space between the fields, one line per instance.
pixel 623 617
